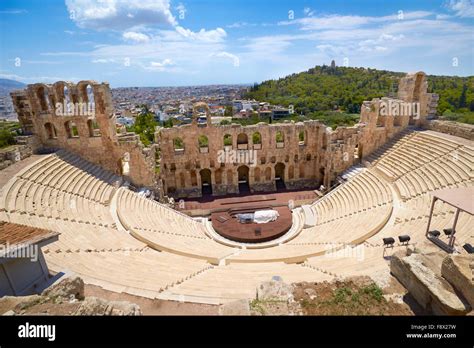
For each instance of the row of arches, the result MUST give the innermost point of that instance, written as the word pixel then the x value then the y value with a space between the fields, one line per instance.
pixel 71 129
pixel 244 177
pixel 61 92
pixel 242 140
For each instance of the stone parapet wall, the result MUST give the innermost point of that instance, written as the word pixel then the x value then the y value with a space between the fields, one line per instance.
pixel 25 147
pixel 461 130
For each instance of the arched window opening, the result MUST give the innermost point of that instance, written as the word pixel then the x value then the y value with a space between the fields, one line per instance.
pixel 268 174
pixel 68 101
pixel 228 141
pixel 256 174
pixel 280 140
pixel 257 141
pixel 178 144
pixel 71 129
pixel 43 96
pixel 302 138
pixel 193 178
pixel 203 143
pixel 94 130
pixel 50 131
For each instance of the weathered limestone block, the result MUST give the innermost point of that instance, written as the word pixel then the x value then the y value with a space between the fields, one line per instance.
pixel 275 290
pixel 239 307
pixel 9 303
pixel 71 285
pixel 431 291
pixel 97 306
pixel 456 269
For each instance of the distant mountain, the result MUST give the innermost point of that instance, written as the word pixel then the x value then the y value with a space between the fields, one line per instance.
pixel 325 88
pixel 6 86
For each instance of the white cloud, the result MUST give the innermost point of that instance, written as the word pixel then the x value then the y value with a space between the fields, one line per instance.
pixel 136 37
pixel 164 63
pixel 462 8
pixel 380 44
pixel 340 22
pixel 102 61
pixel 233 57
pixel 120 14
pixel 332 50
pixel 240 24
pixel 37 79
pixel 215 35
pixel 443 16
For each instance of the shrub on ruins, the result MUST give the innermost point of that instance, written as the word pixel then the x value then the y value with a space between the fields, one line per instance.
pixel 145 127
pixel 6 138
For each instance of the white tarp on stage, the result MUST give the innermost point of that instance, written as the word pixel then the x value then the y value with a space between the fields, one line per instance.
pixel 264 216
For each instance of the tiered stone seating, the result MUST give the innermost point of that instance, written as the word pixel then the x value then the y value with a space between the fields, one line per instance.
pixel 390 146
pixel 166 229
pixel 356 261
pixel 420 149
pixel 448 171
pixel 362 193
pixel 412 218
pixel 62 186
pixel 142 273
pixel 236 281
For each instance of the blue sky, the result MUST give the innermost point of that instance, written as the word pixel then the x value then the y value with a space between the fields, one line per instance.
pixel 195 42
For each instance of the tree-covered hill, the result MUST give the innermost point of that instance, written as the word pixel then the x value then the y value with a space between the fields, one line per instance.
pixel 325 88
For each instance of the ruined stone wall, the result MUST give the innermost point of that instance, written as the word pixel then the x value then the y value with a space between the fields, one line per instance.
pixel 383 118
pixel 80 118
pixel 461 130
pixel 298 162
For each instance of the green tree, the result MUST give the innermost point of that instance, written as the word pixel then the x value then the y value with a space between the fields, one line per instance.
pixel 144 126
pixel 6 138
pixel 229 111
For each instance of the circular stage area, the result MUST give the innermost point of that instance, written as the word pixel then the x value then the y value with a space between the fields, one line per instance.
pixel 227 224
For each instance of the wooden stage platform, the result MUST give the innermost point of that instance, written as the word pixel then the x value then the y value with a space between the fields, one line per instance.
pixel 227 225
pixel 220 211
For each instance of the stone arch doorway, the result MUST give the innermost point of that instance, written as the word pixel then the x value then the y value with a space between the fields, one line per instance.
pixel 358 153
pixel 206 182
pixel 243 175
pixel 280 176
pixel 418 86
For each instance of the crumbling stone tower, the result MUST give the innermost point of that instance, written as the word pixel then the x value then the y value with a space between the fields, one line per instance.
pixel 80 118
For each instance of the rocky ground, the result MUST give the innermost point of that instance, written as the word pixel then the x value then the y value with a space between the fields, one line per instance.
pixel 154 306
pixel 352 296
pixel 65 298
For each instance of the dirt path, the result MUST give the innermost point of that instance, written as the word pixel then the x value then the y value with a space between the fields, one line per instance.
pixel 154 307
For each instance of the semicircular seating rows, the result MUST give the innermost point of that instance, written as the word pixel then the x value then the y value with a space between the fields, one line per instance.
pixel 121 241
